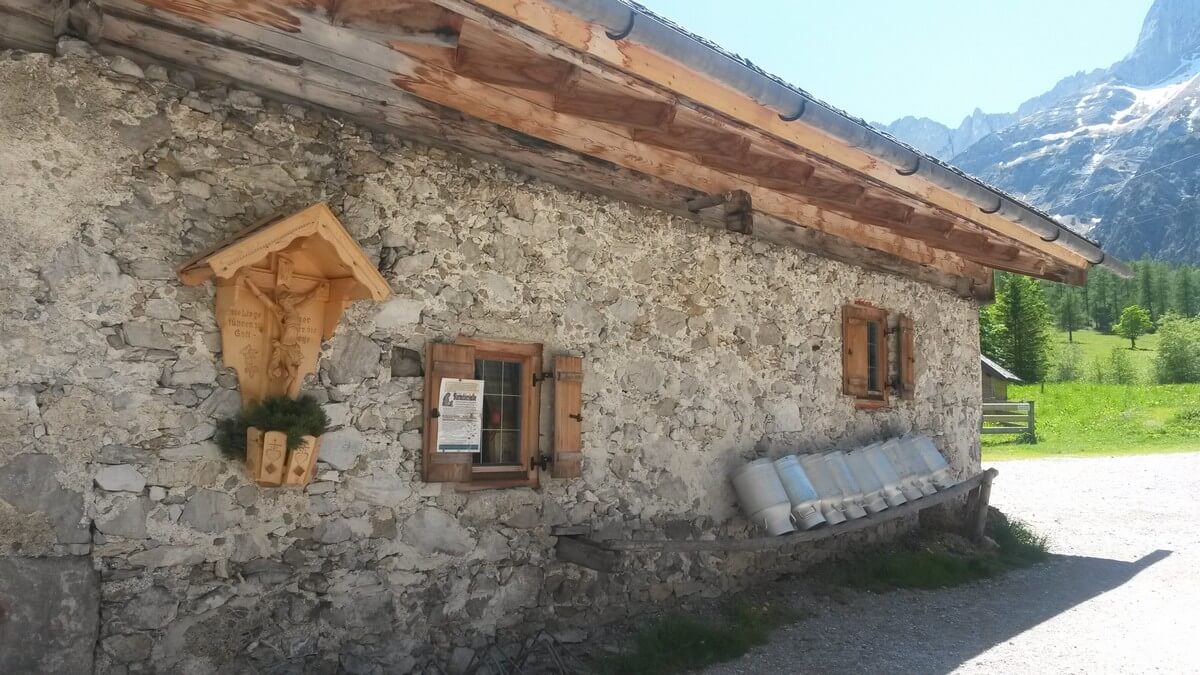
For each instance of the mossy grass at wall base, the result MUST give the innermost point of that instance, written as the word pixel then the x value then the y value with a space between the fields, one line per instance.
pixel 941 559
pixel 680 644
pixel 279 438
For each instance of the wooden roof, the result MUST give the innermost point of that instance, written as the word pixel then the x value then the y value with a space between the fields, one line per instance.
pixel 541 88
pixel 996 370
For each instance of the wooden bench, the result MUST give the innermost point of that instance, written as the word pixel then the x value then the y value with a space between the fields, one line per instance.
pixel 575 546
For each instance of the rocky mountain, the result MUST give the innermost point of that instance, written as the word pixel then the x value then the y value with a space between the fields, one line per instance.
pixel 941 141
pixel 1116 151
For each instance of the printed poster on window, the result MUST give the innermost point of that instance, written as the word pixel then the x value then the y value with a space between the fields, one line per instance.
pixel 460 415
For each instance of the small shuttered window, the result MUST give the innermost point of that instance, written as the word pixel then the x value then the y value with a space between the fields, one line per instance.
pixel 865 366
pixel 508 452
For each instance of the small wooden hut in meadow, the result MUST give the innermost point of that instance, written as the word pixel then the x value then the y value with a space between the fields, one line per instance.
pixel 995 380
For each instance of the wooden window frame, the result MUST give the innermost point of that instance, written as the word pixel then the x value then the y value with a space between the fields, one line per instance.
pixel 529 355
pixel 867 313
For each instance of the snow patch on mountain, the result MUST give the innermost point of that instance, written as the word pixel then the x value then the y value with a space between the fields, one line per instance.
pixel 1114 151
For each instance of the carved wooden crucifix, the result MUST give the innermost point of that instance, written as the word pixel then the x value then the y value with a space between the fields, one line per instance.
pixel 282 285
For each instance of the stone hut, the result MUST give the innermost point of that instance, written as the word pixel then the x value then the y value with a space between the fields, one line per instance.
pixel 732 268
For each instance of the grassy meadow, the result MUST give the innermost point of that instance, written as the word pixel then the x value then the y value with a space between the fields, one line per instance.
pixel 1095 345
pixel 1086 418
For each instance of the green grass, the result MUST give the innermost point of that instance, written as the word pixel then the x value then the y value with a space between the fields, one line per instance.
pixel 1082 418
pixel 930 563
pixel 678 644
pixel 1095 345
pixel 1079 419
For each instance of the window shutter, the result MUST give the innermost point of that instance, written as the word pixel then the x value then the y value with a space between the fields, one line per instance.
pixel 568 417
pixel 444 360
pixel 854 351
pixel 907 358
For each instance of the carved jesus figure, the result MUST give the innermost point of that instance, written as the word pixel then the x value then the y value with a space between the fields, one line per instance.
pixel 286 353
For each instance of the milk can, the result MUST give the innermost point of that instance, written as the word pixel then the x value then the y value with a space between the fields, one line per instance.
pixel 762 497
pixel 800 491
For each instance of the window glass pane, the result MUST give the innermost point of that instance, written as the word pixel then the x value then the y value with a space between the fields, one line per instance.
pixel 507 448
pixel 873 356
pixel 511 417
pixel 491 376
pixel 501 441
pixel 491 411
pixel 512 378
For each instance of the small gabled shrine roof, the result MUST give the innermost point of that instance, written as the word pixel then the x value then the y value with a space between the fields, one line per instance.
pixel 331 252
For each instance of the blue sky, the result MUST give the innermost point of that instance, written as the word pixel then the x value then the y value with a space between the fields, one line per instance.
pixel 883 59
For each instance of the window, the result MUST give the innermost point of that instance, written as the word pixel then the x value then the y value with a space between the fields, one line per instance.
pixel 503 397
pixel 866 371
pixel 510 453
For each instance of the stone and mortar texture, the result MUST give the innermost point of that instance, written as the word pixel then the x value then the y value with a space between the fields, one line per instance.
pixel 702 349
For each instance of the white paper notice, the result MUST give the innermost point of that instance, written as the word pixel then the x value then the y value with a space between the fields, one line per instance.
pixel 460 415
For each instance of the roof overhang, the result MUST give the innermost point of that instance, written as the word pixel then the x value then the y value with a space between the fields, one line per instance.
pixel 542 86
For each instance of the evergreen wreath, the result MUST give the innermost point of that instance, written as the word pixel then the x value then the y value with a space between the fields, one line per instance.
pixel 295 417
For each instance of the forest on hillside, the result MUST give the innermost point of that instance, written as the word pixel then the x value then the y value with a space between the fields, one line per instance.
pixel 1161 300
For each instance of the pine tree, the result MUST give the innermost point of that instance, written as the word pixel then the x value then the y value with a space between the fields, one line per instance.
pixel 1146 288
pixel 1163 299
pixel 1070 318
pixel 992 334
pixel 1102 290
pixel 1185 293
pixel 1025 342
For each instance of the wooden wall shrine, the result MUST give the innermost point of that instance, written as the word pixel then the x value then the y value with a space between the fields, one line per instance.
pixel 282 286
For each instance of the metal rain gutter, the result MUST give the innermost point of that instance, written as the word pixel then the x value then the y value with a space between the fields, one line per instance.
pixel 626 22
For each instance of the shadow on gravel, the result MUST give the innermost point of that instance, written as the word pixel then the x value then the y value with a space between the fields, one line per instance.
pixel 941 629
pixel 1062 583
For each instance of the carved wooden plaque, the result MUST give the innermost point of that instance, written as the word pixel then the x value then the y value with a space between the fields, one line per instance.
pixel 282 285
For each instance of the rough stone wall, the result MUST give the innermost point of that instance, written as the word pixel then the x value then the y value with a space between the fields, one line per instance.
pixel 701 348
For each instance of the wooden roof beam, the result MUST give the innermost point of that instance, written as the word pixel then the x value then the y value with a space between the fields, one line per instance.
pixel 821 188
pixel 553 30
pixel 942 235
pixel 620 110
pixel 758 165
pixel 382 105
pixel 319 44
pixel 488 57
pixel 543 75
pixel 694 140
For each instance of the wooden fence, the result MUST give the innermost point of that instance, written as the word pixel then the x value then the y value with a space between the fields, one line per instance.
pixel 1009 417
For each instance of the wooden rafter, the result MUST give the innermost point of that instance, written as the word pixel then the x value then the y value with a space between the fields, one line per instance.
pixel 488 57
pixel 530 94
pixel 376 104
pixel 695 140
pixel 551 30
pixel 757 165
pixel 498 105
pixel 638 113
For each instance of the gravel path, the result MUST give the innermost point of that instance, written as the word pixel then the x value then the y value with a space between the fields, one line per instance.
pixel 1121 595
